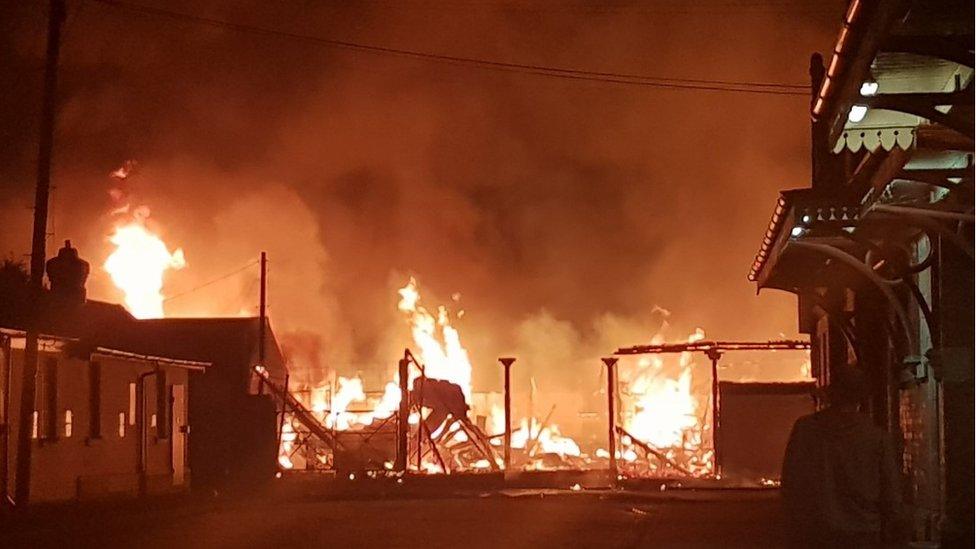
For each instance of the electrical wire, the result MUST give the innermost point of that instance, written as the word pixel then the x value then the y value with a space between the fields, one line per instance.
pixel 214 281
pixel 767 88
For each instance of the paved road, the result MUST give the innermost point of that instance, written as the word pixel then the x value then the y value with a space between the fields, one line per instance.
pixel 537 519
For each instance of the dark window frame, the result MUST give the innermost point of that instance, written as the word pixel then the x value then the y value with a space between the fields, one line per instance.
pixel 49 414
pixel 162 406
pixel 94 399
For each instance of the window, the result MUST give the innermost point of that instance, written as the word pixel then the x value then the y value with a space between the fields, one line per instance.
pixel 121 424
pixel 49 399
pixel 34 425
pixel 68 420
pixel 94 400
pixel 132 403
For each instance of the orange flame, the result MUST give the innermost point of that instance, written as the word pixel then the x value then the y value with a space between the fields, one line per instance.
pixel 438 342
pixel 665 411
pixel 138 264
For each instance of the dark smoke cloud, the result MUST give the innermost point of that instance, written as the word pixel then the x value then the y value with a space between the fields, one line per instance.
pixel 550 205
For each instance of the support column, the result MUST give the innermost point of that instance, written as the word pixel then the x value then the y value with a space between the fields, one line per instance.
pixel 38 253
pixel 507 363
pixel 263 317
pixel 403 416
pixel 952 361
pixel 611 363
pixel 715 356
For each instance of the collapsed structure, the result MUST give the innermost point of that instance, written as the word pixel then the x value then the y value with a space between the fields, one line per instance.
pixel 879 248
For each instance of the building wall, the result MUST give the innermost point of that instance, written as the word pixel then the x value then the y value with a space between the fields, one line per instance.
pixel 919 419
pixel 73 458
pixel 757 419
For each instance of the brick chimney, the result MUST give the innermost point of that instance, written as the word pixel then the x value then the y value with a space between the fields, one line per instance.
pixel 67 273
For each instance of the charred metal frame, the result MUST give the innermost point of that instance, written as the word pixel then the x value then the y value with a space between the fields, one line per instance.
pixel 714 351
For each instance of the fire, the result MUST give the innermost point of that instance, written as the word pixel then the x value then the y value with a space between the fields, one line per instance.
pixel 138 264
pixel 350 390
pixel 389 402
pixel 288 437
pixel 437 345
pixel 665 411
pixel 438 342
pixel 547 439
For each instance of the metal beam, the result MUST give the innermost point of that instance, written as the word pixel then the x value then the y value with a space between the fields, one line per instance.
pixel 507 363
pixel 957 48
pixel 924 104
pixel 716 346
pixel 611 363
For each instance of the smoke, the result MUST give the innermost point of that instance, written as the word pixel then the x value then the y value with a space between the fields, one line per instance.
pixel 563 212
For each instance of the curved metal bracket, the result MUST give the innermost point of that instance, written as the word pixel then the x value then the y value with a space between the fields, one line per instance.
pixel 835 316
pixel 862 269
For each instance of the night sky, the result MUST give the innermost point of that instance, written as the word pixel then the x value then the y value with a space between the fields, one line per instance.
pixel 561 210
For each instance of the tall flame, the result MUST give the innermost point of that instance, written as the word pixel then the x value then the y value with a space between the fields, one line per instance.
pixel 438 342
pixel 666 412
pixel 137 267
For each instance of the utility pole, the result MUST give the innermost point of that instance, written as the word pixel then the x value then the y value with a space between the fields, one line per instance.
pixel 263 308
pixel 263 317
pixel 38 252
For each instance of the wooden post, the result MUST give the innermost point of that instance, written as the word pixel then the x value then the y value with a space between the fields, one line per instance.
pixel 263 308
pixel 715 356
pixel 38 252
pixel 611 363
pixel 507 363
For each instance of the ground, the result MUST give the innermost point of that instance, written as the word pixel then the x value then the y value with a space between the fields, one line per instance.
pixel 497 519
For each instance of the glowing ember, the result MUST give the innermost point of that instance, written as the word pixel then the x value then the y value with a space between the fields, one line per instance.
pixel 138 264
pixel 546 440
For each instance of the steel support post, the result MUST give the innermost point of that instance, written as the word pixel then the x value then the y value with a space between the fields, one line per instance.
pixel 403 416
pixel 507 363
pixel 611 363
pixel 715 356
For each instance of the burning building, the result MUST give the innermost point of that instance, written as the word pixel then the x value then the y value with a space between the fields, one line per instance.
pixel 879 248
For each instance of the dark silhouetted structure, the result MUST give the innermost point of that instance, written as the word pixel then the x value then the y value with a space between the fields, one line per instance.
pixel 879 248
pixel 756 423
pixel 107 420
pixel 841 482
pixel 234 421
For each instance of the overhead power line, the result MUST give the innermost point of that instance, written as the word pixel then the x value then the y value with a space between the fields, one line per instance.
pixel 213 281
pixel 768 88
